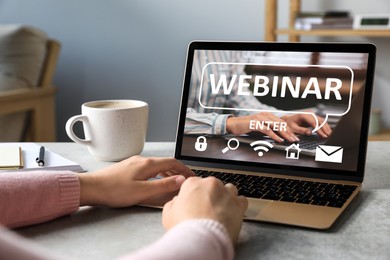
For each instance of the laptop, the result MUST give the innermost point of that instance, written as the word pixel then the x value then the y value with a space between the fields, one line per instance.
pixel 259 83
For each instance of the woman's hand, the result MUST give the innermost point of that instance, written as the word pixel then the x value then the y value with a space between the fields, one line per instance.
pixel 126 183
pixel 207 198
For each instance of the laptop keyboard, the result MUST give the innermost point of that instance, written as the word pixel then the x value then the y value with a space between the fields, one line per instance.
pixel 288 190
pixel 308 142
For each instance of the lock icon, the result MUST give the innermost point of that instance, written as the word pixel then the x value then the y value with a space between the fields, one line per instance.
pixel 201 144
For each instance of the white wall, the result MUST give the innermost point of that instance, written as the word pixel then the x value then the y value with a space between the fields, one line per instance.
pixel 135 49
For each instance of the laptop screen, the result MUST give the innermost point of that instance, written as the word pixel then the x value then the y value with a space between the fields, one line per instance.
pixel 269 106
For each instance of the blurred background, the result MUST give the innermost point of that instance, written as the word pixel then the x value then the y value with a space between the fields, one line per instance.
pixel 135 49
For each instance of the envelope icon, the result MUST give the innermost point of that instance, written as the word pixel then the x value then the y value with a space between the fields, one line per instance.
pixel 329 153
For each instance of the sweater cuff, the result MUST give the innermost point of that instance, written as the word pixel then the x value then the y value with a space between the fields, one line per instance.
pixel 69 190
pixel 191 239
pixel 34 197
pixel 219 231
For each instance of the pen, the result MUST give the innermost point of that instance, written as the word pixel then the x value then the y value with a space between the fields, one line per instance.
pixel 41 158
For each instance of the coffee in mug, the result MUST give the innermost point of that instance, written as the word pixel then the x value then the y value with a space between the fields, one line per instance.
pixel 114 129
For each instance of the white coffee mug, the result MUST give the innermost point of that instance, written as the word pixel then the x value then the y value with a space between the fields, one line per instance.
pixel 113 129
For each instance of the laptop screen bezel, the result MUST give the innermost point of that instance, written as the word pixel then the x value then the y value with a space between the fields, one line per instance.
pixel 320 173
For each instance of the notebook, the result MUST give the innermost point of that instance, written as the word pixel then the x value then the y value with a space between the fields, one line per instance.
pixel 28 153
pixel 10 158
pixel 269 89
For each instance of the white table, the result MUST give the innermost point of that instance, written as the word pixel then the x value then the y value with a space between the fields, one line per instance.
pixel 362 232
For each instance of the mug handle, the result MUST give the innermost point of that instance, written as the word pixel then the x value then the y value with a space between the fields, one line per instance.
pixel 69 128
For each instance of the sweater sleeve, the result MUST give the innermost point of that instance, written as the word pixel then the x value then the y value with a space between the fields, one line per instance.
pixel 34 197
pixel 192 239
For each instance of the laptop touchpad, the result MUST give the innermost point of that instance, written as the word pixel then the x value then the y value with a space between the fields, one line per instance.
pixel 255 206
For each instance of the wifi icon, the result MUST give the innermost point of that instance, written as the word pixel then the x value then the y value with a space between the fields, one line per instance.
pixel 261 146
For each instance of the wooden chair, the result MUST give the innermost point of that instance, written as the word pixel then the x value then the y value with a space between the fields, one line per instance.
pixel 38 102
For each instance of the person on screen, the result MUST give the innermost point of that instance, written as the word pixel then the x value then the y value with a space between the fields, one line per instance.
pixel 200 120
pixel 202 222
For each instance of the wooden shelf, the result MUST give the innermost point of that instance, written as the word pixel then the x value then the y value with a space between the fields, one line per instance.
pixel 335 32
pixel 272 30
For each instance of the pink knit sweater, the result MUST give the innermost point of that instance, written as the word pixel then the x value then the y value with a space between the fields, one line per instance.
pixel 34 197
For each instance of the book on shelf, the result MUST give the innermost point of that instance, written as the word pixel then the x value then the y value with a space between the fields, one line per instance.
pixel 26 159
pixel 323 20
pixel 329 13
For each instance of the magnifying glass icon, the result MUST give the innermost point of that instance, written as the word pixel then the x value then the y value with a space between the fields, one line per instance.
pixel 231 146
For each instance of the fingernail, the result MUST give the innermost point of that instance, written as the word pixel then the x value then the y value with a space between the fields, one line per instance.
pixel 179 180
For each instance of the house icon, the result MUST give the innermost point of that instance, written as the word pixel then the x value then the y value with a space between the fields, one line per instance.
pixel 292 151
